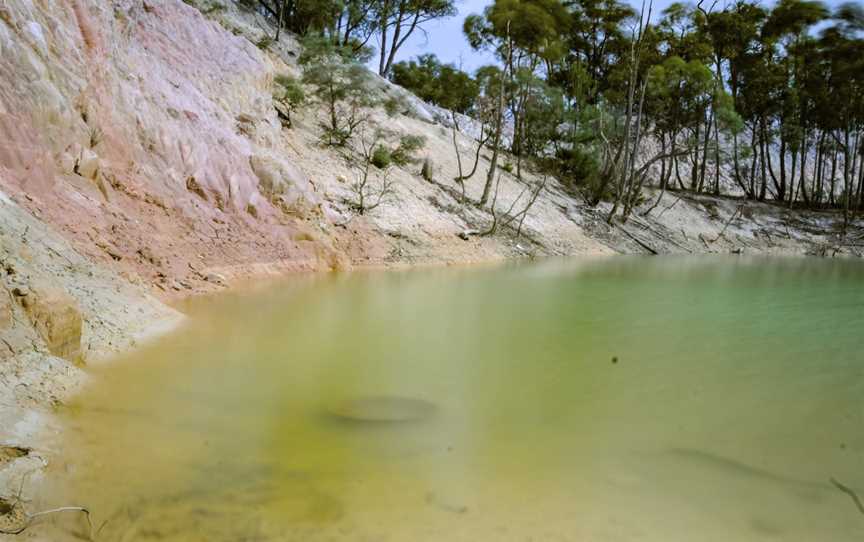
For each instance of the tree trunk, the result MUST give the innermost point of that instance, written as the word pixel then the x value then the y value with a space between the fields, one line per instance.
pixel 831 199
pixel 847 187
pixel 763 188
pixel 496 144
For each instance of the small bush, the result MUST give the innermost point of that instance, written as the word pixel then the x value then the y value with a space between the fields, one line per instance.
pixel 393 106
pixel 289 94
pixel 508 167
pixel 213 9
pixel 579 168
pixel 382 157
pixel 264 43
pixel 406 152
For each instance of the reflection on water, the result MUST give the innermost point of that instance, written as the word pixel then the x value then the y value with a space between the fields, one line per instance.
pixel 736 395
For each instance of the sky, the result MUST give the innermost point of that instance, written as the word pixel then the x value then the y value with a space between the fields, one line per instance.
pixel 444 37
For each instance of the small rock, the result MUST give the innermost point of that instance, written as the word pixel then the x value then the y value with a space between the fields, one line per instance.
pixel 88 164
pixel 193 186
pixel 148 256
pixel 428 170
pixel 215 278
pixel 20 291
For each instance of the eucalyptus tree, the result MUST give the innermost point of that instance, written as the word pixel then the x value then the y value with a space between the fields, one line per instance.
pixel 597 39
pixel 340 83
pixel 842 115
pixel 527 36
pixel 397 20
pixel 783 34
pixel 679 92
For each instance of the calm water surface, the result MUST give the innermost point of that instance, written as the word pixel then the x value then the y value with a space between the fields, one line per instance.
pixel 738 392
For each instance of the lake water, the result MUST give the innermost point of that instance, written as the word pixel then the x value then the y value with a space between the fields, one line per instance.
pixel 620 399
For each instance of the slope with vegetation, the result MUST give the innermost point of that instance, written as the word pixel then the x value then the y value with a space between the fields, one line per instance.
pixel 160 148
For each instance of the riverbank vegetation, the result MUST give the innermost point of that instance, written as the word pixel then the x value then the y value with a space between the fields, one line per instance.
pixel 761 102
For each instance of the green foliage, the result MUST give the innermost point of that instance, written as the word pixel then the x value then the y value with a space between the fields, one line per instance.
pixel 542 113
pixel 393 106
pixel 579 167
pixel 533 26
pixel 617 98
pixel 678 93
pixel 381 157
pixel 441 84
pixel 402 155
pixel 405 153
pixel 340 83
pixel 289 94
pixel 264 42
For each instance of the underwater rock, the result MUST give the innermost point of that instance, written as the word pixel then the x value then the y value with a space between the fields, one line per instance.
pixel 383 409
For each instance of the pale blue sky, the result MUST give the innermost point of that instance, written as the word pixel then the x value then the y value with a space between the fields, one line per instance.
pixel 444 37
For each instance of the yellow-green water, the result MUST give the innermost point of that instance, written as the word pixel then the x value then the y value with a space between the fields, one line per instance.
pixel 737 394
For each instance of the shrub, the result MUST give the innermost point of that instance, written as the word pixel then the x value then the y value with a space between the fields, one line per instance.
pixel 405 153
pixel 289 94
pixel 393 106
pixel 381 157
pixel 340 83
pixel 264 43
pixel 579 167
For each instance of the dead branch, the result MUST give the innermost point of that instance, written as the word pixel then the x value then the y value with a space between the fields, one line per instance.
pixel 731 218
pixel 851 492
pixel 638 241
pixel 484 139
pixel 509 215
pixel 362 188
pixel 29 518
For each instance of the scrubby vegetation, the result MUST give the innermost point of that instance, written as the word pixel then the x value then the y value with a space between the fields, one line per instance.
pixel 289 96
pixel 354 24
pixel 370 188
pixel 591 83
pixel 340 83
pixel 749 100
pixel 441 84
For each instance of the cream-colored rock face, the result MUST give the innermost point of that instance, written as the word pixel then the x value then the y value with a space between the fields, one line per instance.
pixel 5 310
pixel 108 109
pixel 56 317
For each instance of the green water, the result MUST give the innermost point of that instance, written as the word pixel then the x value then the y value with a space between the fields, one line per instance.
pixel 738 392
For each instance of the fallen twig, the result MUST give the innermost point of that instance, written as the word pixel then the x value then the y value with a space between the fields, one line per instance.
pixel 849 491
pixel 641 243
pixel 28 518
pixel 669 207
pixel 731 218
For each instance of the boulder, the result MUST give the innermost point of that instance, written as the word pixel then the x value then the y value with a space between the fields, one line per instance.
pixel 88 164
pixel 56 317
pixel 276 177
